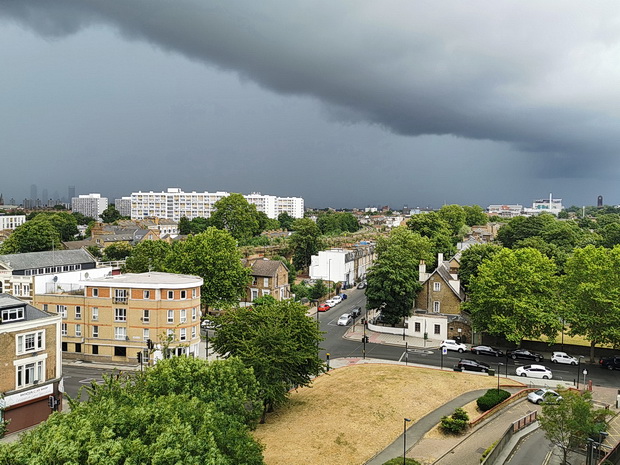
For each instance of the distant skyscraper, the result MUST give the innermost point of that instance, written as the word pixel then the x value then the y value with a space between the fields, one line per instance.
pixel 33 193
pixel 599 201
pixel 71 191
pixel 45 198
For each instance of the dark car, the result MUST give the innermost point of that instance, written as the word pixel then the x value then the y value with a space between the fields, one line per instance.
pixel 343 295
pixel 611 363
pixel 524 354
pixel 473 365
pixel 355 312
pixel 487 350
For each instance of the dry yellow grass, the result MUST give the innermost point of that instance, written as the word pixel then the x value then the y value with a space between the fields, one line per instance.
pixel 350 414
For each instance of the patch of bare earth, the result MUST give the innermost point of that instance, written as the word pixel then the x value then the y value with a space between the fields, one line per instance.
pixel 348 415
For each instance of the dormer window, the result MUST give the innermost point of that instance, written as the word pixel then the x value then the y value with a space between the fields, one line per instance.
pixel 12 314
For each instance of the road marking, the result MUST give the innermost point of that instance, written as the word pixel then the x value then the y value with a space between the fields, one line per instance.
pixel 91 380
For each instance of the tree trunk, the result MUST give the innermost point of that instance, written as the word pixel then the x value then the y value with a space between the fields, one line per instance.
pixel 263 417
pixel 592 344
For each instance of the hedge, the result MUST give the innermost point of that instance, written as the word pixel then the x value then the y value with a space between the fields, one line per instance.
pixel 492 398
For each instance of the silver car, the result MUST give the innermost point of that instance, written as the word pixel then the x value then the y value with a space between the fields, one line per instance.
pixel 345 319
pixel 544 395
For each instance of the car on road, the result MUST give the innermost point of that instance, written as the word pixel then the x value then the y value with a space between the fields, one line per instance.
pixel 451 344
pixel 611 363
pixel 324 308
pixel 473 365
pixel 331 302
pixel 343 296
pixel 544 395
pixel 487 350
pixel 337 299
pixel 524 354
pixel 208 324
pixel 563 357
pixel 361 285
pixel 345 320
pixel 355 312
pixel 534 371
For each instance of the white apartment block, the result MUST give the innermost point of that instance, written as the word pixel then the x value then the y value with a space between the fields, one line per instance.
pixel 91 205
pixel 549 205
pixel 11 221
pixel 175 204
pixel 123 205
pixel 505 211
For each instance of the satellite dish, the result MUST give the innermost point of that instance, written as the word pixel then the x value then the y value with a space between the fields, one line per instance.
pixel 86 275
pixel 55 279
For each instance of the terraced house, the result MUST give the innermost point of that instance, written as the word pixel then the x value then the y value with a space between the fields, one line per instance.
pixel 111 319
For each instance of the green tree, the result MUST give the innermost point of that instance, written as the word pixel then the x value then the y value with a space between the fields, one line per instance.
pixel 455 216
pixel 610 235
pixel 591 294
pixel 305 242
pixel 393 279
pixel 278 341
pixel 265 223
pixel 36 235
pixel 148 256
pixel 475 215
pixel 472 258
pixel 199 225
pixel 111 214
pixel 237 216
pixel 523 227
pixel 82 219
pixel 117 251
pixel 318 290
pixel 286 221
pixel 185 226
pixel 213 255
pixel 437 229
pixel 64 222
pixel 514 295
pixel 570 422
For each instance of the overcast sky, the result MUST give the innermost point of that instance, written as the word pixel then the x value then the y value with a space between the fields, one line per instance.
pixel 345 103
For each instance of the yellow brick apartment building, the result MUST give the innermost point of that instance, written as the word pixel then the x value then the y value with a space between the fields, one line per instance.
pixel 111 319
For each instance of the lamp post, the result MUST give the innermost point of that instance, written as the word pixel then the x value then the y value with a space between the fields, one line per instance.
pixel 499 365
pixel 318 325
pixel 578 369
pixel 405 440
pixel 329 276
pixel 585 372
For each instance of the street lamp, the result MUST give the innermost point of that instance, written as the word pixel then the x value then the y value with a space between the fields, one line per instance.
pixel 405 440
pixel 585 372
pixel 318 325
pixel 329 276
pixel 578 370
pixel 499 365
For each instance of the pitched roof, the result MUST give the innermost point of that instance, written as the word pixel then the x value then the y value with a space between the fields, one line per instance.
pixel 265 267
pixel 32 313
pixel 30 260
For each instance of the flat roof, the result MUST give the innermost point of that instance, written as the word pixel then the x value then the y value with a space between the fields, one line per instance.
pixel 152 279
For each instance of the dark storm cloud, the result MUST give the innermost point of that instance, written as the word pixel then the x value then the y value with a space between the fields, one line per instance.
pixel 540 77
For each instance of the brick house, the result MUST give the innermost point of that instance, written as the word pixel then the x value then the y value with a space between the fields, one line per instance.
pixel 30 363
pixel 269 277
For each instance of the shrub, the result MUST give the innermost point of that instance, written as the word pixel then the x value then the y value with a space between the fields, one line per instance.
pixel 491 399
pixel 399 461
pixel 456 423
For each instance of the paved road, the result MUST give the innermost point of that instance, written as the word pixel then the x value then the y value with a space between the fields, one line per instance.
pixel 78 376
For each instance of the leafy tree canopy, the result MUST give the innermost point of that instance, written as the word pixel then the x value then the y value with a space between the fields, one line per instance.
pixel 514 294
pixel 148 256
pixel 330 222
pixel 117 251
pixel 455 216
pixel 437 229
pixel 277 340
pixel 286 221
pixel 522 227
pixel 111 214
pixel 305 242
pixel 475 215
pixel 472 258
pixel 36 235
pixel 237 216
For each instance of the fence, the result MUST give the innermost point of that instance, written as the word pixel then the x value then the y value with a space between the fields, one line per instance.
pixel 505 439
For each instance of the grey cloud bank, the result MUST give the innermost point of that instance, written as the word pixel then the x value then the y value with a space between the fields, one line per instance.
pixel 343 103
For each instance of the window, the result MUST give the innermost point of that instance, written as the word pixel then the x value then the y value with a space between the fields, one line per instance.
pixel 13 314
pixel 95 292
pixel 436 306
pixel 78 312
pixel 254 280
pixel 120 296
pixel 95 313
pixel 30 373
pixel 25 289
pixel 170 334
pixel 146 316
pixel 417 327
pixel 170 316
pixel 78 347
pixel 146 295
pixel 265 282
pixel 183 317
pixel 45 307
pixel 61 310
pixel 254 293
pixel 170 295
pixel 120 314
pixel 120 351
pixel 194 293
pixel 183 294
pixel 183 334
pixel 95 331
pixel 63 329
pixel 194 313
pixel 78 330
pixel 266 292
pixel 193 332
pixel 436 286
pixel 30 342
pixel 120 333
pixel 95 350
pixel 146 334
pixel 64 346
pixel 437 329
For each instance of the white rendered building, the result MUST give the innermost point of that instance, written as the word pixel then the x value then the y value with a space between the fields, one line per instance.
pixel 11 221
pixel 175 204
pixel 91 205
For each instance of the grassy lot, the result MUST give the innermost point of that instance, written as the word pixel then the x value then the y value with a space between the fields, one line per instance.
pixel 350 414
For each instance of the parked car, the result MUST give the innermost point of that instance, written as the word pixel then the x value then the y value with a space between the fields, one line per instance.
pixel 611 363
pixel 451 344
pixel 487 350
pixel 324 308
pixel 379 319
pixel 563 357
pixel 345 319
pixel 343 296
pixel 355 312
pixel 337 299
pixel 207 324
pixel 544 395
pixel 331 303
pixel 534 371
pixel 361 285
pixel 524 354
pixel 473 365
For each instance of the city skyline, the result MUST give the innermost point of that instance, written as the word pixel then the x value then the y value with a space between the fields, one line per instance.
pixel 345 105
